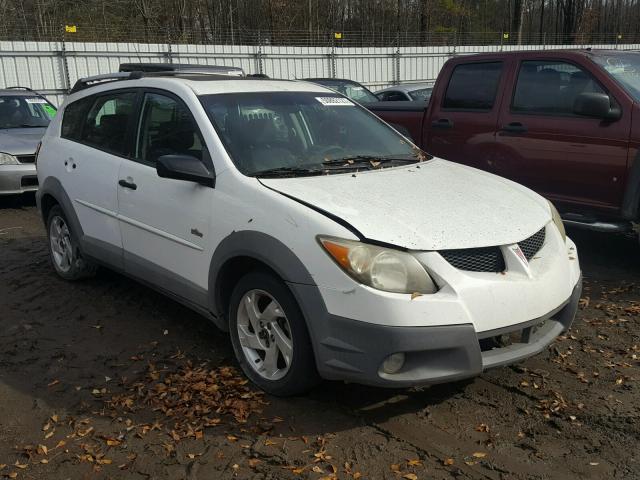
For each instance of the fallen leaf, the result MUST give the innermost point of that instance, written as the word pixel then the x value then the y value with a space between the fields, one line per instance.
pixel 253 462
pixel 479 454
pixel 414 463
pixel 415 295
pixel 448 461
pixel 55 382
pixel 410 476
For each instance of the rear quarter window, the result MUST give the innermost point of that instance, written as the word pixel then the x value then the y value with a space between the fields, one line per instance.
pixel 73 118
pixel 473 86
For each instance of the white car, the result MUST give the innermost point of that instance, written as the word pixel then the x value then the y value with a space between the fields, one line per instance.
pixel 325 243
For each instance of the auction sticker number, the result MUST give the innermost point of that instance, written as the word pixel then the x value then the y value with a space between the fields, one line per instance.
pixel 334 101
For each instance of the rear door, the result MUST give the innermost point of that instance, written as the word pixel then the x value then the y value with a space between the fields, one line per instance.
pixel 463 115
pixel 573 160
pixel 165 222
pixel 95 136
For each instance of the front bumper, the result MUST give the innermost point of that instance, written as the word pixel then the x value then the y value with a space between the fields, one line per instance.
pixel 353 350
pixel 15 179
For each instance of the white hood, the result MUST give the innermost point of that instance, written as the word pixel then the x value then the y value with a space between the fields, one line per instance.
pixel 433 205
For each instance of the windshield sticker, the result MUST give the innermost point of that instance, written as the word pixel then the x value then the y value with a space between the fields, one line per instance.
pixel 334 101
pixel 35 100
pixel 51 111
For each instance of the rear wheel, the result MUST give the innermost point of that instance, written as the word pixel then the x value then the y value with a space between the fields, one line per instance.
pixel 63 248
pixel 270 337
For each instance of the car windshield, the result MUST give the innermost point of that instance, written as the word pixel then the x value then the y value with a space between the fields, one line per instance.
pixel 353 90
pixel 23 111
pixel 304 133
pixel 624 68
pixel 421 95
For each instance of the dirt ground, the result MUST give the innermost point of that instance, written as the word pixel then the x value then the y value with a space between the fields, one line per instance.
pixel 107 379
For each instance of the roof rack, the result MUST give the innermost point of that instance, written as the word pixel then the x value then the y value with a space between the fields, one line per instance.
pixel 182 67
pixel 37 94
pixel 87 82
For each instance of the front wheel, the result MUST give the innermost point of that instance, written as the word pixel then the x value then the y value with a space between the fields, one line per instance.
pixel 270 337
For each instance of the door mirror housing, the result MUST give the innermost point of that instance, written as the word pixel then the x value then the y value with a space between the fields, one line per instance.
pixel 184 167
pixel 597 105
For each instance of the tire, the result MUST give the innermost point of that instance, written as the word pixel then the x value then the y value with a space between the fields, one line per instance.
pixel 64 252
pixel 278 318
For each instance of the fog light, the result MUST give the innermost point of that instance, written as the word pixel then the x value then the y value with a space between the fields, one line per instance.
pixel 393 363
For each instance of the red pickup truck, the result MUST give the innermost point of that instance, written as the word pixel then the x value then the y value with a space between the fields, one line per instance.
pixel 565 123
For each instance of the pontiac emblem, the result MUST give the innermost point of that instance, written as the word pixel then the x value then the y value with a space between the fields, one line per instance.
pixel 518 251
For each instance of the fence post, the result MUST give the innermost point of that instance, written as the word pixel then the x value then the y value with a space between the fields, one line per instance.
pixel 332 58
pixel 65 62
pixel 169 53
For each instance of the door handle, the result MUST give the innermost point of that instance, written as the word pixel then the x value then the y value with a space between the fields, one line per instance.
pixel 514 127
pixel 125 184
pixel 442 123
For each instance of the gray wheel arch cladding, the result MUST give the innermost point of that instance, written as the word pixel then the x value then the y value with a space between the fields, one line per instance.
pixel 52 186
pixel 265 249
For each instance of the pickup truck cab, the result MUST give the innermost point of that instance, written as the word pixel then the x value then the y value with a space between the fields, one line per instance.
pixel 564 123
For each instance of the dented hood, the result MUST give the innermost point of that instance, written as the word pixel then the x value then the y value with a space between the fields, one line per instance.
pixel 433 205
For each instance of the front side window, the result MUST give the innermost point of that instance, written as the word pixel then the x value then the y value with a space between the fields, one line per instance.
pixel 551 87
pixel 167 128
pixel 105 125
pixel 23 111
pixel 624 68
pixel 473 87
pixel 303 130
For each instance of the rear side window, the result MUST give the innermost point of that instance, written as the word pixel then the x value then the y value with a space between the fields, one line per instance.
pixel 473 86
pixel 105 125
pixel 551 88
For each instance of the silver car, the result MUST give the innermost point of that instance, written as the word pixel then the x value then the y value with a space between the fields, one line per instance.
pixel 408 92
pixel 24 117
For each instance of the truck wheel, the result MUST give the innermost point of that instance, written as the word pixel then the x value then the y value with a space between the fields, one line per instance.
pixel 63 248
pixel 270 337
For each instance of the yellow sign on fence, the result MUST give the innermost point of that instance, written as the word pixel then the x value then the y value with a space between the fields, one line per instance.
pixel 337 35
pixel 70 28
pixel 505 36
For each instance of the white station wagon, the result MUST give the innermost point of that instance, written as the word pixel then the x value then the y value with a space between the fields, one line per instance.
pixel 322 240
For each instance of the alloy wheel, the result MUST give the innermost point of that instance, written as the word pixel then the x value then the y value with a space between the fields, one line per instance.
pixel 265 334
pixel 61 246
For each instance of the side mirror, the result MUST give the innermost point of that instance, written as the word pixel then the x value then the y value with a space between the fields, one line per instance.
pixel 184 167
pixel 597 105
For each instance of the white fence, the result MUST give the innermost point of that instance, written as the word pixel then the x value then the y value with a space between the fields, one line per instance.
pixel 53 67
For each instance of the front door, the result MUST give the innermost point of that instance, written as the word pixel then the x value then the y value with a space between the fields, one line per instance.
pixel 165 222
pixel 573 160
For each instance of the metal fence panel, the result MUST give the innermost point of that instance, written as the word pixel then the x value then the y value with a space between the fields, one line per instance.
pixel 53 67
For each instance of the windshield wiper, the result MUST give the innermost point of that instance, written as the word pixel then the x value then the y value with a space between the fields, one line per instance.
pixel 28 125
pixel 286 172
pixel 370 160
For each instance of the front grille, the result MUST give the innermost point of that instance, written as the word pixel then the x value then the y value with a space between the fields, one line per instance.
pixel 26 158
pixel 533 244
pixel 487 259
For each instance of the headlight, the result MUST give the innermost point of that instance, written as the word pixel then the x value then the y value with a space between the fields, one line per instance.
pixel 558 221
pixel 381 268
pixel 6 159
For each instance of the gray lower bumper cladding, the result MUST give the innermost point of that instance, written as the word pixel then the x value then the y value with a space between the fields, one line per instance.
pixel 354 351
